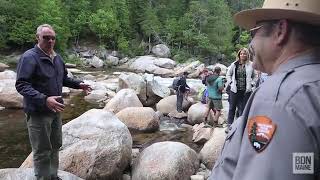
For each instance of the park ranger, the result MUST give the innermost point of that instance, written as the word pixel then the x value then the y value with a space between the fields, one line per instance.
pixel 278 136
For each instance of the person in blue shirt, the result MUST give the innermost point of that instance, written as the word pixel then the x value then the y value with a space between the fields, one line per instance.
pixel 215 87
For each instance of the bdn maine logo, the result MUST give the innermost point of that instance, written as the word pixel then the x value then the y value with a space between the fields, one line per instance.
pixel 303 163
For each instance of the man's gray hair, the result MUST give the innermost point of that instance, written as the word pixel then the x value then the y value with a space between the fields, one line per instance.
pixel 39 29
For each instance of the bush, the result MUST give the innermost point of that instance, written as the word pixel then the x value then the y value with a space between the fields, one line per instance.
pixel 73 60
pixel 181 56
pixel 11 61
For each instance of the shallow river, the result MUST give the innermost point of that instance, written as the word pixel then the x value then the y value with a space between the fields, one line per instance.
pixel 14 142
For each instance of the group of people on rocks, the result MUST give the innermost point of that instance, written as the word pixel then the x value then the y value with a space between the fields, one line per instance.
pixel 240 81
pixel 279 125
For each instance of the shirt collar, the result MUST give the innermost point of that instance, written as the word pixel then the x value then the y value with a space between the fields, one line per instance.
pixel 52 55
pixel 309 57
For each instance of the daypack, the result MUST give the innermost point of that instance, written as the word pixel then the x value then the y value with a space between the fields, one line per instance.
pixel 176 83
pixel 204 96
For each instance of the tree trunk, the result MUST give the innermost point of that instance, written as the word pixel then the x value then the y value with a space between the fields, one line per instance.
pixel 149 44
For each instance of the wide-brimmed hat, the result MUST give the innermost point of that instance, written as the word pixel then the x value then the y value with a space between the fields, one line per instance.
pixel 306 11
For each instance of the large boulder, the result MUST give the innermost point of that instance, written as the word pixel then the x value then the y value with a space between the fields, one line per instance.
pixel 197 71
pixel 8 74
pixel 201 134
pixel 146 87
pixel 112 83
pixel 188 68
pixel 166 160
pixel 212 148
pixel 9 96
pixel 99 92
pixel 177 115
pixel 197 113
pixel 142 119
pixel 154 91
pixel 124 98
pixel 147 64
pixel 135 82
pixel 112 60
pixel 96 96
pixel 161 50
pixel 169 104
pixel 28 174
pixel 123 60
pixel 165 63
pixel 96 145
pixel 3 67
pixel 144 64
pixel 96 62
pixel 163 72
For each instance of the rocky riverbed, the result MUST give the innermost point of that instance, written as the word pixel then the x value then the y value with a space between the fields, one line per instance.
pixel 112 141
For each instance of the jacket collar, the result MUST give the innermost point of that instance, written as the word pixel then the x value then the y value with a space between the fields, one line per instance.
pixel 310 57
pixel 42 53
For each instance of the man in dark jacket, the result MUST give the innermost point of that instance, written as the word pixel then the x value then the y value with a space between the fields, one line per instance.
pixel 183 88
pixel 41 73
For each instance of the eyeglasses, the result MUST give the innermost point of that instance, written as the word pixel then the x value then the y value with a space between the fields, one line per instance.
pixel 47 38
pixel 254 30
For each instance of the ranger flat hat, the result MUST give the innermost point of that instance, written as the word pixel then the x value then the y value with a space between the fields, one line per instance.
pixel 306 11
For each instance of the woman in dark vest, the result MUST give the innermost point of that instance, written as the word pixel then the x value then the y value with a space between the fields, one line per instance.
pixel 240 77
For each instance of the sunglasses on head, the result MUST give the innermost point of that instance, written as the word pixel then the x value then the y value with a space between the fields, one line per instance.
pixel 47 38
pixel 254 30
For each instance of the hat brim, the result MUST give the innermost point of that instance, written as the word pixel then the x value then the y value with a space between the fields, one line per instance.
pixel 247 19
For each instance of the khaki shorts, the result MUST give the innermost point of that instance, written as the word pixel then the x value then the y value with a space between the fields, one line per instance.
pixel 215 104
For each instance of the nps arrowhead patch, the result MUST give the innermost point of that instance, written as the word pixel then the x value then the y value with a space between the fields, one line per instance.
pixel 261 130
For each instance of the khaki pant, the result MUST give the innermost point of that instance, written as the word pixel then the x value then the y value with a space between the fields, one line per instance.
pixel 45 134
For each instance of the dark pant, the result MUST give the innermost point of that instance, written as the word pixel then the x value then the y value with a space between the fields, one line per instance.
pixel 179 101
pixel 45 134
pixel 237 100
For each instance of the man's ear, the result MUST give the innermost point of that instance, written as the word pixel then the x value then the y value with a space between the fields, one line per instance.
pixel 282 32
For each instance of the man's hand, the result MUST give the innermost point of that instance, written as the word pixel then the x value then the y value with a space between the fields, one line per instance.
pixel 85 87
pixel 54 104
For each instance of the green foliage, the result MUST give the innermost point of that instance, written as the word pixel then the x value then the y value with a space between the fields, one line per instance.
pixel 3 29
pixel 53 13
pixel 73 60
pixel 191 28
pixel 181 56
pixel 244 40
pixel 78 14
pixel 237 5
pixel 150 24
pixel 104 23
pixel 123 45
pixel 22 32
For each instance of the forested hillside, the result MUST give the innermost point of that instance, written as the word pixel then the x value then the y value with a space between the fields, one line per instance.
pixel 201 28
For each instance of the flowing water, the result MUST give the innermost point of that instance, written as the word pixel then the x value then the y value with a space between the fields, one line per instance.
pixel 14 141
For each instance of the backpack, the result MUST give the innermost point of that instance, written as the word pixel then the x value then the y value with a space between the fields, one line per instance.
pixel 204 96
pixel 176 83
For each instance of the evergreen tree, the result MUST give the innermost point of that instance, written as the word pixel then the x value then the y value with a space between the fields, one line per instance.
pixel 78 13
pixel 53 12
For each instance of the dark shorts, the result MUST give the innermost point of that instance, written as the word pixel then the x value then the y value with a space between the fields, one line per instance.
pixel 215 104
